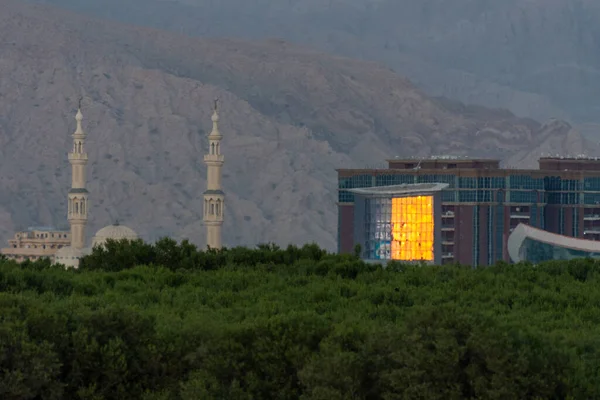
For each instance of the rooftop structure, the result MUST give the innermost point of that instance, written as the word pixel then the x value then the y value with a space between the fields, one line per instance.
pixel 445 162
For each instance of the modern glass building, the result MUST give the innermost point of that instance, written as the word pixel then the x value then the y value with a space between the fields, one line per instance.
pixel 483 203
pixel 400 222
pixel 527 243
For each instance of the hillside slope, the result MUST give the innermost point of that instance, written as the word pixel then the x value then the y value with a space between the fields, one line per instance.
pixel 537 58
pixel 290 116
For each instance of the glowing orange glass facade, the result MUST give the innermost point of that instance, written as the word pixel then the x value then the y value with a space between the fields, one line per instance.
pixel 412 228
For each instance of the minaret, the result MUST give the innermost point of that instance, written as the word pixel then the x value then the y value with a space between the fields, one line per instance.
pixel 78 195
pixel 214 198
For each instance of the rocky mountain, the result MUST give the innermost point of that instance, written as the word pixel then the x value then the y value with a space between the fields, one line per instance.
pixel 290 116
pixel 537 58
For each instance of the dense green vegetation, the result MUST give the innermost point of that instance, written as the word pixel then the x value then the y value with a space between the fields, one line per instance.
pixel 166 321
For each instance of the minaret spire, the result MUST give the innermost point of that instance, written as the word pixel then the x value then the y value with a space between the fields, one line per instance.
pixel 78 195
pixel 214 197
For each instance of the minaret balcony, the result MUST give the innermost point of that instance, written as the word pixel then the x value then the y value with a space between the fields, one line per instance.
pixel 212 222
pixel 214 158
pixel 78 157
pixel 74 218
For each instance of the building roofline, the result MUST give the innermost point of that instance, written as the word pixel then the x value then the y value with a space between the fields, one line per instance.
pixel 580 159
pixel 472 172
pixel 443 159
pixel 43 229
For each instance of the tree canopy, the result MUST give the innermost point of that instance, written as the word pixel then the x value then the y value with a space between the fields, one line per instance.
pixel 167 321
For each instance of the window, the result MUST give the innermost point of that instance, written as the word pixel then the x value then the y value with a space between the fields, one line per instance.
pixel 563 198
pixel 399 228
pixel 345 197
pixel 490 236
pixel 476 235
pixel 537 252
pixel 522 196
pixel 412 228
pixel 467 196
pixel 467 183
pixel 357 181
pixel 449 196
pixel 377 229
pixel 591 184
pixel 388 180
pixel 591 198
pixel 552 183
pixel 484 196
pixel 526 182
pixel 569 184
pixel 440 178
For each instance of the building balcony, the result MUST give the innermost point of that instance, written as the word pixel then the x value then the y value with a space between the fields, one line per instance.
pixel 591 218
pixel 447 256
pixel 448 242
pixel 520 216
pixel 447 228
pixel 78 157
pixel 592 232
pixel 213 158
pixel 448 214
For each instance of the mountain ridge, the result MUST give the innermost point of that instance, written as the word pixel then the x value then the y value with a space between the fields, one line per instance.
pixel 536 60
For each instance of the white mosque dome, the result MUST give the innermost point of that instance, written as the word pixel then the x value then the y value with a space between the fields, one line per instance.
pixel 115 232
pixel 68 256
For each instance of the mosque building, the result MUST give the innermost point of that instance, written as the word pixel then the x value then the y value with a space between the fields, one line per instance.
pixel 68 247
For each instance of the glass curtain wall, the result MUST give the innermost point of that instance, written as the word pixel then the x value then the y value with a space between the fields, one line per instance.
pixel 400 228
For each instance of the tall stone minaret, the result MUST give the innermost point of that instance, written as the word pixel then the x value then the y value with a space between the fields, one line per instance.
pixel 214 198
pixel 78 195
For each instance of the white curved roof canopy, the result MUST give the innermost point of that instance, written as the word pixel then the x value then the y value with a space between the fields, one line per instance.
pixel 523 232
pixel 408 188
